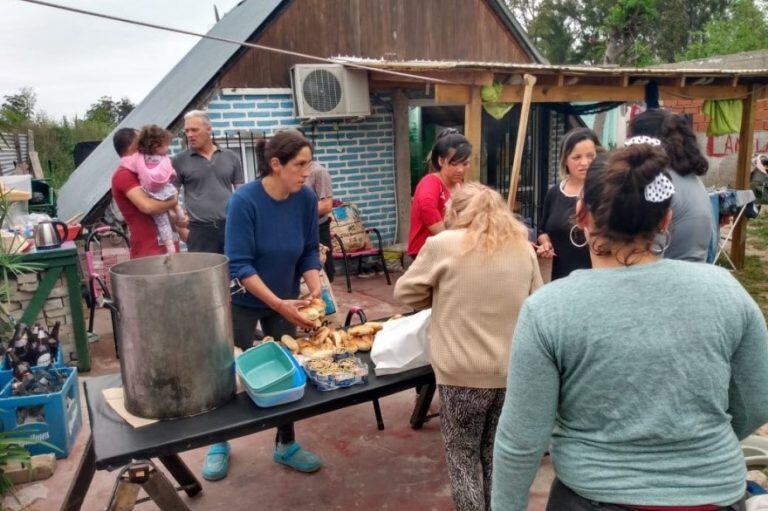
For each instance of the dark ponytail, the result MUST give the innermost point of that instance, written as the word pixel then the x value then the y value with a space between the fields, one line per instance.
pixel 283 145
pixel 449 139
pixel 616 199
pixel 677 138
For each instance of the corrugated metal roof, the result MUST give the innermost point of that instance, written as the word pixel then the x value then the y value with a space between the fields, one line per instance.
pixel 757 59
pixel 507 67
pixel 92 179
pixel 10 155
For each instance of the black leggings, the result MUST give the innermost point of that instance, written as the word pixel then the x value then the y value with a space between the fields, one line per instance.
pixel 244 320
pixel 561 497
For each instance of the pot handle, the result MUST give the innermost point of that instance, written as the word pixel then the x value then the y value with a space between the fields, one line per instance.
pixel 236 287
pixel 109 304
pixel 64 226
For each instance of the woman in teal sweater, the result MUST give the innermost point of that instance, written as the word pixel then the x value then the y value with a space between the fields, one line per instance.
pixel 642 388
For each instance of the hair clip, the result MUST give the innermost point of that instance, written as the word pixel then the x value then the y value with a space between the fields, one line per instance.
pixel 659 190
pixel 642 139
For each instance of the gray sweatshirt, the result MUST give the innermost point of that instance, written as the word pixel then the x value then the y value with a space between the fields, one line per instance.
pixel 643 378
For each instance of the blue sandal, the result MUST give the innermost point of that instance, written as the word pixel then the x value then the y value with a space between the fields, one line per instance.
pixel 216 463
pixel 292 455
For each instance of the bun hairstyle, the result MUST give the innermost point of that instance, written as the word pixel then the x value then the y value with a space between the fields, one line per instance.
pixel 677 138
pixel 152 137
pixel 615 197
pixel 449 144
pixel 283 145
pixel 489 224
pixel 569 141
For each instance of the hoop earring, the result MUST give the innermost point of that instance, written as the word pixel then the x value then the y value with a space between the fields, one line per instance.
pixel 577 245
pixel 662 247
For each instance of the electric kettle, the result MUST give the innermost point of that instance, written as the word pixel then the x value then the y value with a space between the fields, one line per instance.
pixel 47 236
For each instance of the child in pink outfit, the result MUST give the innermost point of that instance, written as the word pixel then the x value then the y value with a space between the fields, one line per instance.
pixel 156 175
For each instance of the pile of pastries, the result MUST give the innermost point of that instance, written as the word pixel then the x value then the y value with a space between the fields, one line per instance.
pixel 324 341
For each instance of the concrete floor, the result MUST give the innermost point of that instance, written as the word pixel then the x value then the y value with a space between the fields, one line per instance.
pixel 398 468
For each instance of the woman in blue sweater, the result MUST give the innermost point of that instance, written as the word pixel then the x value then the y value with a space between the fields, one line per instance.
pixel 643 389
pixel 272 241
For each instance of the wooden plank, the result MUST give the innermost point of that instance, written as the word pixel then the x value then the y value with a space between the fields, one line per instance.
pixel 455 77
pixel 522 128
pixel 455 94
pixel 37 169
pixel 473 123
pixel 545 94
pixel 402 165
pixel 743 167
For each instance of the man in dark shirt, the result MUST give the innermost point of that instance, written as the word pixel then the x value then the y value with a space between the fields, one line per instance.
pixel 135 205
pixel 208 175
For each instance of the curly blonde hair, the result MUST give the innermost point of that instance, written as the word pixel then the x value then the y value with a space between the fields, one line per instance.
pixel 489 224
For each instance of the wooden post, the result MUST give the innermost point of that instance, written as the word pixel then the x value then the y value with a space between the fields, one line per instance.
pixel 402 165
pixel 473 124
pixel 522 127
pixel 746 147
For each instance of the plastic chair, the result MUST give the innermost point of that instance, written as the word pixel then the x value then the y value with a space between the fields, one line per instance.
pixel 348 256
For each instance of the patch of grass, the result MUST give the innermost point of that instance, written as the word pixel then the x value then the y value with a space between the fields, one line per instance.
pixel 754 275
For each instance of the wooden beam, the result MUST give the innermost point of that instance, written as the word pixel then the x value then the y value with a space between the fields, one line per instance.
pixel 684 78
pixel 743 166
pixel 547 94
pixel 522 128
pixel 460 94
pixel 402 165
pixel 455 77
pixel 625 81
pixel 473 123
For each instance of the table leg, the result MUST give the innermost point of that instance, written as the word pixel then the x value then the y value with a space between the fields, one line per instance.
pixel 379 417
pixel 420 413
pixel 180 471
pixel 83 477
pixel 162 492
pixel 78 322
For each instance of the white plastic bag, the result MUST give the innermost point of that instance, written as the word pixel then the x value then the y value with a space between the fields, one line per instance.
pixel 757 503
pixel 402 344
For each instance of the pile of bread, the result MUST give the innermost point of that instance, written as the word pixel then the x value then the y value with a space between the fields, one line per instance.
pixel 325 340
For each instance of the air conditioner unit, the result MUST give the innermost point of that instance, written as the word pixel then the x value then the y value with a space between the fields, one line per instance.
pixel 327 91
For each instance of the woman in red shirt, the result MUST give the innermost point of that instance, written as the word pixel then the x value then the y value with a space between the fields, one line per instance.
pixel 448 162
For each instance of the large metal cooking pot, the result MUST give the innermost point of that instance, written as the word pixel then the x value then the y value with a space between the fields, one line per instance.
pixel 175 332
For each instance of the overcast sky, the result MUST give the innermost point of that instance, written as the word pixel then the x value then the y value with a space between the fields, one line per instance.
pixel 71 60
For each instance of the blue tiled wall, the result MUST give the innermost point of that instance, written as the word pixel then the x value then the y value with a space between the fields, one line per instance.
pixel 359 155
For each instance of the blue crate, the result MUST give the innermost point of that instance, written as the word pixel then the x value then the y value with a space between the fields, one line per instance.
pixel 59 411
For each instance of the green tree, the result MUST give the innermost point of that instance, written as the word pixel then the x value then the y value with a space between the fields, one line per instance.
pixel 18 108
pixel 743 27
pixel 627 32
pixel 108 111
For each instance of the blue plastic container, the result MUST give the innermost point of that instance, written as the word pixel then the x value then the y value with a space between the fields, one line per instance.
pixel 263 367
pixel 54 418
pixel 284 392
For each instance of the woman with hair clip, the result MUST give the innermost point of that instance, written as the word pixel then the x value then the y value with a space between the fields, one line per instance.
pixel 642 393
pixel 475 275
pixel 691 230
pixel 558 238
pixel 448 162
pixel 271 240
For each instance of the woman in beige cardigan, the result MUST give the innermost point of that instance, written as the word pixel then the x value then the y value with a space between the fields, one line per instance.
pixel 475 276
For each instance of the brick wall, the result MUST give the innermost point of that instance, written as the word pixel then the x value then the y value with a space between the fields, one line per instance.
pixel 359 155
pixel 56 307
pixel 721 151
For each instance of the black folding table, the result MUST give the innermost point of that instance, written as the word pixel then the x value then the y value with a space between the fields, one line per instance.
pixel 114 443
